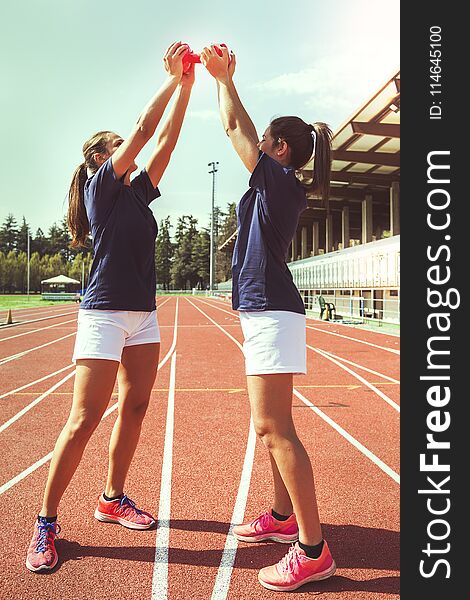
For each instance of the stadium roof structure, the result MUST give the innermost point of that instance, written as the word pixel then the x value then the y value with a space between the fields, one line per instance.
pixel 366 155
pixel 366 147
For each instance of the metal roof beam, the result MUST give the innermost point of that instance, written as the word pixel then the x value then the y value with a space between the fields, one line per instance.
pixel 390 130
pixel 367 178
pixel 347 192
pixel 371 158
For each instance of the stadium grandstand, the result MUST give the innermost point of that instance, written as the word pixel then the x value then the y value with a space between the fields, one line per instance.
pixel 347 250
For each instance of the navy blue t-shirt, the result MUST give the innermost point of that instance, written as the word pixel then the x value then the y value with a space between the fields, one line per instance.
pixel 123 229
pixel 268 215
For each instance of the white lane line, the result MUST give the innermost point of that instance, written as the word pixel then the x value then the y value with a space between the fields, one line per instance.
pixel 357 376
pixel 9 484
pixel 350 362
pixel 216 324
pixel 38 311
pixel 27 385
pixel 333 424
pixel 35 402
pixel 7 359
pixel 370 455
pixel 162 303
pixel 20 323
pixel 56 317
pixel 160 567
pixel 347 337
pixel 393 350
pixel 160 364
pixel 330 332
pixel 224 573
pixel 35 330
pixel 45 459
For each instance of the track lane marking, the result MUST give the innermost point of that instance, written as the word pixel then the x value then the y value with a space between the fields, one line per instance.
pixel 35 330
pixel 20 354
pixel 19 323
pixel 7 359
pixel 27 385
pixel 45 459
pixel 160 565
pixel 224 572
pixel 393 350
pixel 330 356
pixel 370 455
pixel 357 376
pixel 385 468
pixel 162 542
pixel 348 337
pixel 54 316
pixel 35 402
pixel 350 362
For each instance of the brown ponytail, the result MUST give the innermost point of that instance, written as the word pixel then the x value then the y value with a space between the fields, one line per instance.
pixel 322 161
pixel 300 140
pixel 77 219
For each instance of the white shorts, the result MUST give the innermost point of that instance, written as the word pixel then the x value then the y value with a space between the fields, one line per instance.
pixel 104 333
pixel 275 342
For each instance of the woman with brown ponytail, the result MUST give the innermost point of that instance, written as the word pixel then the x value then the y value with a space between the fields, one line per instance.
pixel 118 333
pixel 272 317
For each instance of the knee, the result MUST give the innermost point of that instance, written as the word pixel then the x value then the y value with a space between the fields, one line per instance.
pixel 274 437
pixel 81 426
pixel 134 411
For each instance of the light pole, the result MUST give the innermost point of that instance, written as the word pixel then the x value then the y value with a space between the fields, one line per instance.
pixel 29 253
pixel 211 262
pixel 83 275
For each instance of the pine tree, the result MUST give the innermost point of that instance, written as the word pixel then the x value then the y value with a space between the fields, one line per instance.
pixel 40 243
pixel 22 238
pixel 201 260
pixel 164 254
pixel 224 257
pixel 183 269
pixel 8 234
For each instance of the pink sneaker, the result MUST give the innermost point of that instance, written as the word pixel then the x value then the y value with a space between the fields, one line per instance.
pixel 42 555
pixel 124 512
pixel 296 569
pixel 266 527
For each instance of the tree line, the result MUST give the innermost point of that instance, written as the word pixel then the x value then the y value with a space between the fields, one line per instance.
pixel 182 256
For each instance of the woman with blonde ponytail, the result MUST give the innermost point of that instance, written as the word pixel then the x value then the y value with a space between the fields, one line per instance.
pixel 118 333
pixel 272 316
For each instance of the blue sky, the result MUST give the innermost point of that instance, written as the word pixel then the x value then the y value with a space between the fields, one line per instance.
pixel 71 68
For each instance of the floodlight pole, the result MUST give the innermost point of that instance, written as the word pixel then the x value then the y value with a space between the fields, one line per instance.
pixel 29 253
pixel 212 261
pixel 83 274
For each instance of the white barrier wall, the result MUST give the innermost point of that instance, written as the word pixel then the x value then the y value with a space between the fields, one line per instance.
pixel 372 265
pixel 363 281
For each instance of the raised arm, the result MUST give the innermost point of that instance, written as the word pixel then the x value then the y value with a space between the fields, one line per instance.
pixel 168 135
pixel 147 122
pixel 235 120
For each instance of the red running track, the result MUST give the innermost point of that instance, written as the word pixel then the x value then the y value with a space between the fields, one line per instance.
pixel 194 465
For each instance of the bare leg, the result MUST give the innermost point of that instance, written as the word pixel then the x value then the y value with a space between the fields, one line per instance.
pixel 282 503
pixel 271 407
pixel 94 383
pixel 136 378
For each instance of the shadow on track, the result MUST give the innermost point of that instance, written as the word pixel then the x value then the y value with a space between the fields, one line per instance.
pixel 353 547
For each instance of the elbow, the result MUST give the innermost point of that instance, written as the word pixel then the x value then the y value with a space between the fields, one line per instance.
pixel 230 126
pixel 144 131
pixel 164 147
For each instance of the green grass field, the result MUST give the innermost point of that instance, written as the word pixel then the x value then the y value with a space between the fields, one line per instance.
pixel 23 301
